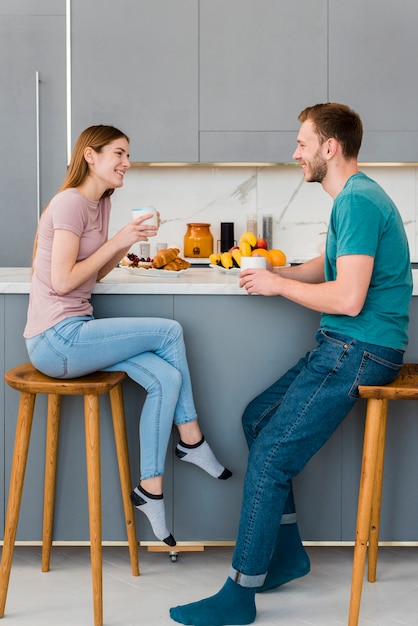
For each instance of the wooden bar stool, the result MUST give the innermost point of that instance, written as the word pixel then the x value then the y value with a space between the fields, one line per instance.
pixel 29 381
pixel 405 387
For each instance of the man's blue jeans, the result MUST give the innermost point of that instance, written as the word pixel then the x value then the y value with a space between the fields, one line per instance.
pixel 150 350
pixel 287 424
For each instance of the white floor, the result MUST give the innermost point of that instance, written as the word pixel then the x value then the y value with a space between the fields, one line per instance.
pixel 63 595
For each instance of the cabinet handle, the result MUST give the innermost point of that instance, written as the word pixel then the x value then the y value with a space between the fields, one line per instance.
pixel 38 148
pixel 68 75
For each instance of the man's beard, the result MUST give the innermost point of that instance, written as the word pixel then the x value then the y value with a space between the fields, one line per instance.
pixel 318 169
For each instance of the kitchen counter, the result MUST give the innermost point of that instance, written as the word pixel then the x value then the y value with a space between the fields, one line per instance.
pixel 236 347
pixel 122 281
pixel 195 281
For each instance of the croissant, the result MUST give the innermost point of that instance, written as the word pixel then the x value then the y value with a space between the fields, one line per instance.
pixel 164 256
pixel 176 265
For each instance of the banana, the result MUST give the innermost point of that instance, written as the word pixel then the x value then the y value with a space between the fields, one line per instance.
pixel 215 259
pixel 248 237
pixel 236 258
pixel 245 248
pixel 226 260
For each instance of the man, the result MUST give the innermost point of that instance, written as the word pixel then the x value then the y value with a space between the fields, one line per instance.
pixel 362 286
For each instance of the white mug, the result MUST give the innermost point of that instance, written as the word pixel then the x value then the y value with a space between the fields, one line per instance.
pixel 153 220
pixel 253 262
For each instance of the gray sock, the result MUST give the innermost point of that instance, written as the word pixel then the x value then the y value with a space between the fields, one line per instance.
pixel 153 507
pixel 201 455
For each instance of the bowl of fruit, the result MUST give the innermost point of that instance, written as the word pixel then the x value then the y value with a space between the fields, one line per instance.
pixel 248 245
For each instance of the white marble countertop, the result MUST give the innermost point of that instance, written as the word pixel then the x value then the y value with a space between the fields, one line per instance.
pixel 196 281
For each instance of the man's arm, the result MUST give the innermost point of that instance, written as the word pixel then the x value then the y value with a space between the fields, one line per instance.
pixel 310 272
pixel 343 296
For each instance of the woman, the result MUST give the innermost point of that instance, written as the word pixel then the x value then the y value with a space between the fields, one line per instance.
pixel 63 338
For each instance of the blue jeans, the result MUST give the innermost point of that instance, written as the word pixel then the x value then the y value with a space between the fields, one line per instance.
pixel 150 350
pixel 286 425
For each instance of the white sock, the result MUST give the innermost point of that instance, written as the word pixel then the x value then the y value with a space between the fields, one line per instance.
pixel 153 507
pixel 200 454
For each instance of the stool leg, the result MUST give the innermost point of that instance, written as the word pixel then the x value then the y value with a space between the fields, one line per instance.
pixel 119 426
pixel 52 431
pixel 372 436
pixel 92 417
pixel 377 499
pixel 20 455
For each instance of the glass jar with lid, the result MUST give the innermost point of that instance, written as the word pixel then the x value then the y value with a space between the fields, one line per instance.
pixel 198 241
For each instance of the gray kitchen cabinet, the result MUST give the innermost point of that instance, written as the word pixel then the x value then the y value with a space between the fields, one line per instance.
pixel 30 525
pixel 32 39
pixel 372 63
pixel 71 512
pixel 232 359
pixel 2 400
pixel 236 348
pixel 261 63
pixel 135 66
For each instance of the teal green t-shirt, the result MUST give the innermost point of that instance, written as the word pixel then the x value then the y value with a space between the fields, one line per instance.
pixel 364 220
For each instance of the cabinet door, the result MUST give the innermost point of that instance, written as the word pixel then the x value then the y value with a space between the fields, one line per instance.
pixel 373 49
pixel 261 63
pixel 32 41
pixel 2 407
pixel 232 358
pixel 71 517
pixel 134 65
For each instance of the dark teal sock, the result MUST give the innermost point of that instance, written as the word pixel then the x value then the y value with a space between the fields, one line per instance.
pixel 232 605
pixel 289 559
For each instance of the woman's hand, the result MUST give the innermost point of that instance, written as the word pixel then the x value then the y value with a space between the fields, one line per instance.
pixel 68 274
pixel 136 230
pixel 146 230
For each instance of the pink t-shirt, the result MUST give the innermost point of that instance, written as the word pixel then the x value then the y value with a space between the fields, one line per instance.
pixel 89 220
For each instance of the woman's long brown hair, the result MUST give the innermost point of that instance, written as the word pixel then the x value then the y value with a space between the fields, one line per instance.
pixel 95 137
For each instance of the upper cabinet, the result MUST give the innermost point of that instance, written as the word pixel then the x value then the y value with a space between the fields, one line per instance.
pixel 135 66
pixel 373 51
pixel 32 118
pixel 224 81
pixel 261 63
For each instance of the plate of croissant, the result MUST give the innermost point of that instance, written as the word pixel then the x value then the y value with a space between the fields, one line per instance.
pixel 166 263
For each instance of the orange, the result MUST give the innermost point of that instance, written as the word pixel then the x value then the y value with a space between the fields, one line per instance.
pixel 277 257
pixel 261 252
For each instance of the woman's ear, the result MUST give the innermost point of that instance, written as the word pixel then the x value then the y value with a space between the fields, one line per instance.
pixel 89 155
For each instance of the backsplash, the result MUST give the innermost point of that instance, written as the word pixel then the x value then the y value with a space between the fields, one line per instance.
pixel 216 194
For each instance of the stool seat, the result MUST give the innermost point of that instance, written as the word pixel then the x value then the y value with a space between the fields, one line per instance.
pixel 404 387
pixel 30 382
